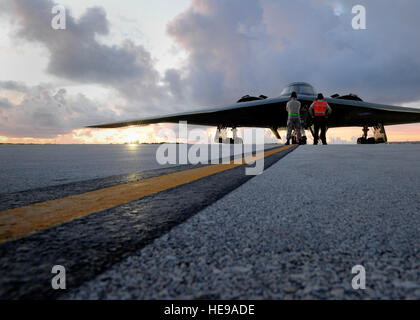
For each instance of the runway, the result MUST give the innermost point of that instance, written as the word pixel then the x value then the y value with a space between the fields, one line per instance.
pixel 110 225
pixel 293 232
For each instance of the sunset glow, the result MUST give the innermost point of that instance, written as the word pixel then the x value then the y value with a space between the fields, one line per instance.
pixel 149 134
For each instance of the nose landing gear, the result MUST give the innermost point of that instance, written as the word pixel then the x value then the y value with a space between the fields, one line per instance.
pixel 295 140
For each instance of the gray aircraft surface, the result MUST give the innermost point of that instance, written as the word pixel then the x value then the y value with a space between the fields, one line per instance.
pixel 348 111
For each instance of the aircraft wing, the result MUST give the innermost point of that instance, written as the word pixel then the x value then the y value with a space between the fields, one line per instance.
pixel 348 113
pixel 259 113
pixel 269 113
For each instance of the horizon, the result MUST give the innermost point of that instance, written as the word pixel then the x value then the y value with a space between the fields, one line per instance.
pixel 167 57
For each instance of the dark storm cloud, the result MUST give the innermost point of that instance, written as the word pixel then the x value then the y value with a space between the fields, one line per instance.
pixel 77 55
pixel 239 47
pixel 173 80
pixel 220 37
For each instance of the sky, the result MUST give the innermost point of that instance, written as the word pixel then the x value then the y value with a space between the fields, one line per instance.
pixel 128 59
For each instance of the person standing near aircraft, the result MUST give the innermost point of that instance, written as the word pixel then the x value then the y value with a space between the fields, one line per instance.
pixel 320 111
pixel 293 121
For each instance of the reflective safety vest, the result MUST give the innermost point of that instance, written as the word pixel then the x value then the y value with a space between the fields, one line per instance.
pixel 320 108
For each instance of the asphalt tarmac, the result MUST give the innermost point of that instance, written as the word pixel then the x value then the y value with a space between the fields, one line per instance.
pixel 38 232
pixel 293 232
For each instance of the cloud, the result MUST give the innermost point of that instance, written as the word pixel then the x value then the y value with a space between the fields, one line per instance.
pixel 77 53
pixel 12 85
pixel 5 104
pixel 237 47
pixel 233 48
pixel 220 38
pixel 44 112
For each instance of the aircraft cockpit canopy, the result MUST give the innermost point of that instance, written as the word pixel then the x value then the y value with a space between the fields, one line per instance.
pixel 301 88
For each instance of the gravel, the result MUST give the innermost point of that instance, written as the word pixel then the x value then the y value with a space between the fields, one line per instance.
pixel 294 232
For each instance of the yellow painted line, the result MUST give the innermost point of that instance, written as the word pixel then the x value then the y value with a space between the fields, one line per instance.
pixel 19 222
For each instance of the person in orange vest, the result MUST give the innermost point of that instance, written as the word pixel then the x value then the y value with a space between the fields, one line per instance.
pixel 320 111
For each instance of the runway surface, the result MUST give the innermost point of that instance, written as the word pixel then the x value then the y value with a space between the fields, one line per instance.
pixel 293 232
pixel 27 167
pixel 89 228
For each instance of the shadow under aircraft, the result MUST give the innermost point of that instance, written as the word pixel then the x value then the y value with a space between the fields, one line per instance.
pixel 348 111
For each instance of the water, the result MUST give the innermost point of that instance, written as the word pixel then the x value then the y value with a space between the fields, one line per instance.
pixel 24 167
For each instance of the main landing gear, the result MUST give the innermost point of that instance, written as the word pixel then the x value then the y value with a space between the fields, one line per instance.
pixel 295 140
pixel 379 135
pixel 221 136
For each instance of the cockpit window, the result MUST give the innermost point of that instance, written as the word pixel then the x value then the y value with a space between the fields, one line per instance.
pixel 286 91
pixel 305 89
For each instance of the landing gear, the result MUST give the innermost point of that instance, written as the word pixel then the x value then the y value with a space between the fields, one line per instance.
pixel 221 136
pixel 235 139
pixel 379 135
pixel 363 139
pixel 303 139
pixel 276 133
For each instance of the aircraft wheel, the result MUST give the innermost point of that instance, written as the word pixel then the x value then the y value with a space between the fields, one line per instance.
pixel 361 140
pixel 371 141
